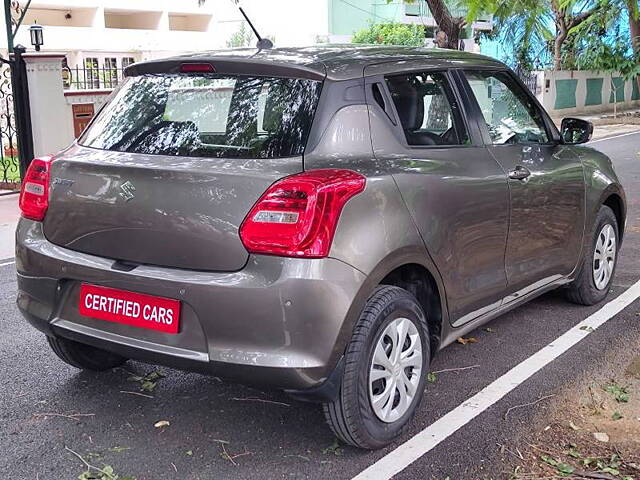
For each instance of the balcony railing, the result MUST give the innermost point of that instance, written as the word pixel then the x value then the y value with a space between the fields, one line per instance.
pixel 91 78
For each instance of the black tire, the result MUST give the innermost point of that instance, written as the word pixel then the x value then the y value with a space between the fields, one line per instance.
pixel 583 290
pixel 83 356
pixel 351 416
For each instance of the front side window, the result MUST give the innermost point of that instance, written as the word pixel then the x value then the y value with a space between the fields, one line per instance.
pixel 207 116
pixel 509 112
pixel 428 112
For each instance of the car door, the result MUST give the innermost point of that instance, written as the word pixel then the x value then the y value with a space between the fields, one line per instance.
pixel 455 190
pixel 546 181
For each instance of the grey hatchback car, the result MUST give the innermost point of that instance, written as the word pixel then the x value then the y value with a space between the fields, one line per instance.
pixel 315 220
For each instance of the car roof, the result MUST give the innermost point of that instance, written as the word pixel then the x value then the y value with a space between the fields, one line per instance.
pixel 336 62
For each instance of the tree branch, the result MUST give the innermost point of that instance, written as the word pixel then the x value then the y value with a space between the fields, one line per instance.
pixel 446 22
pixel 581 17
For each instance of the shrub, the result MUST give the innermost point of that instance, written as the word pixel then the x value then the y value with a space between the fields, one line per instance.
pixel 391 34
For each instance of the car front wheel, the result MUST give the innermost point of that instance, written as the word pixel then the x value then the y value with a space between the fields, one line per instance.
pixel 599 264
pixel 386 363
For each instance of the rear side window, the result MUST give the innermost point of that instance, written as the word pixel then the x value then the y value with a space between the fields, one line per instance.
pixel 207 116
pixel 427 109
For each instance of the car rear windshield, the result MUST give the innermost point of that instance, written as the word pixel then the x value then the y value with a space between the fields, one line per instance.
pixel 207 115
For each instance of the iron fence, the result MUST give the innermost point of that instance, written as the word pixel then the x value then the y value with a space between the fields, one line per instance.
pixel 9 159
pixel 529 78
pixel 531 81
pixel 91 77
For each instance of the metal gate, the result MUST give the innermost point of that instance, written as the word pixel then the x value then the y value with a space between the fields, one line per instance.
pixel 9 156
pixel 16 140
pixel 528 77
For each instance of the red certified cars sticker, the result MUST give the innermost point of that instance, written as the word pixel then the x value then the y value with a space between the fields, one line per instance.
pixel 136 309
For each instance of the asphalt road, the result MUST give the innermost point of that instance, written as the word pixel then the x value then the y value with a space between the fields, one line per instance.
pixel 267 435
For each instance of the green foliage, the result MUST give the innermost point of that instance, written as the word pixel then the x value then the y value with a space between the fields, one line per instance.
pixel 604 57
pixel 9 169
pixel 391 34
pixel 241 38
pixel 526 26
pixel 333 449
pixel 149 381
pixel 104 473
pixel 618 392
pixel 564 469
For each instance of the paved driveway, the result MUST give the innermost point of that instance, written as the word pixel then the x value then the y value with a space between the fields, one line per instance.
pixel 222 431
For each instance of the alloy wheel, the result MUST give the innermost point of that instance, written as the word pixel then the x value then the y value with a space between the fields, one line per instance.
pixel 604 257
pixel 396 367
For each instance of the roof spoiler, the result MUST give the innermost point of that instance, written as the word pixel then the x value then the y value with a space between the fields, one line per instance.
pixel 251 66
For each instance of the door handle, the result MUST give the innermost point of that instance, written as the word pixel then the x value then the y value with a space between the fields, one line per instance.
pixel 519 173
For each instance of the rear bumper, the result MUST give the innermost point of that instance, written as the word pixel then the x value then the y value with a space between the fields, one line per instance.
pixel 279 322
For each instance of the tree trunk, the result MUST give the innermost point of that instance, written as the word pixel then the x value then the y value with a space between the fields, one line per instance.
pixel 562 30
pixel 633 11
pixel 634 25
pixel 448 24
pixel 561 36
pixel 565 21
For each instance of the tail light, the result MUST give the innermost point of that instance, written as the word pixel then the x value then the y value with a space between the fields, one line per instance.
pixel 34 195
pixel 297 216
pixel 197 68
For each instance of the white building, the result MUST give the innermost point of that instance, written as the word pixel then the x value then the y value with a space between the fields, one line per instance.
pixel 101 37
pixel 116 32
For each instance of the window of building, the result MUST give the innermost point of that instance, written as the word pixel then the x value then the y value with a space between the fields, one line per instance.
pixel 91 72
pixel 126 61
pixel 110 72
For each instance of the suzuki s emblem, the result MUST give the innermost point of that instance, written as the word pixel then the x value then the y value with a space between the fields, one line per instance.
pixel 127 190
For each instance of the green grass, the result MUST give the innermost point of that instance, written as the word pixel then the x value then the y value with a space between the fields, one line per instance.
pixel 12 169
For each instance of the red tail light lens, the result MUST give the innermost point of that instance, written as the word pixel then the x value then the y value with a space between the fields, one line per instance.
pixel 297 216
pixel 34 195
pixel 197 68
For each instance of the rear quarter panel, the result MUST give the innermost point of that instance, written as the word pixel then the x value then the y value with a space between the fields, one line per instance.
pixel 376 232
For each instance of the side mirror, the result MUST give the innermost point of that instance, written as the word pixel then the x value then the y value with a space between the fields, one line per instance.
pixel 575 131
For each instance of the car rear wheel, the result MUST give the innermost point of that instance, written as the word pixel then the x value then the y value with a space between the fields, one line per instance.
pixel 83 356
pixel 386 364
pixel 599 264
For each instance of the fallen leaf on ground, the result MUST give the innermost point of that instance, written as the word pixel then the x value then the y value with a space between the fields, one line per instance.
pixel 334 448
pixel 464 341
pixel 119 449
pixel 149 381
pixel 574 426
pixel 601 436
pixel 162 423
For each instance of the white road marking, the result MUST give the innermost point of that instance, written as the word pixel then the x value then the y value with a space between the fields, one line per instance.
pixel 7 263
pixel 410 451
pixel 613 137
